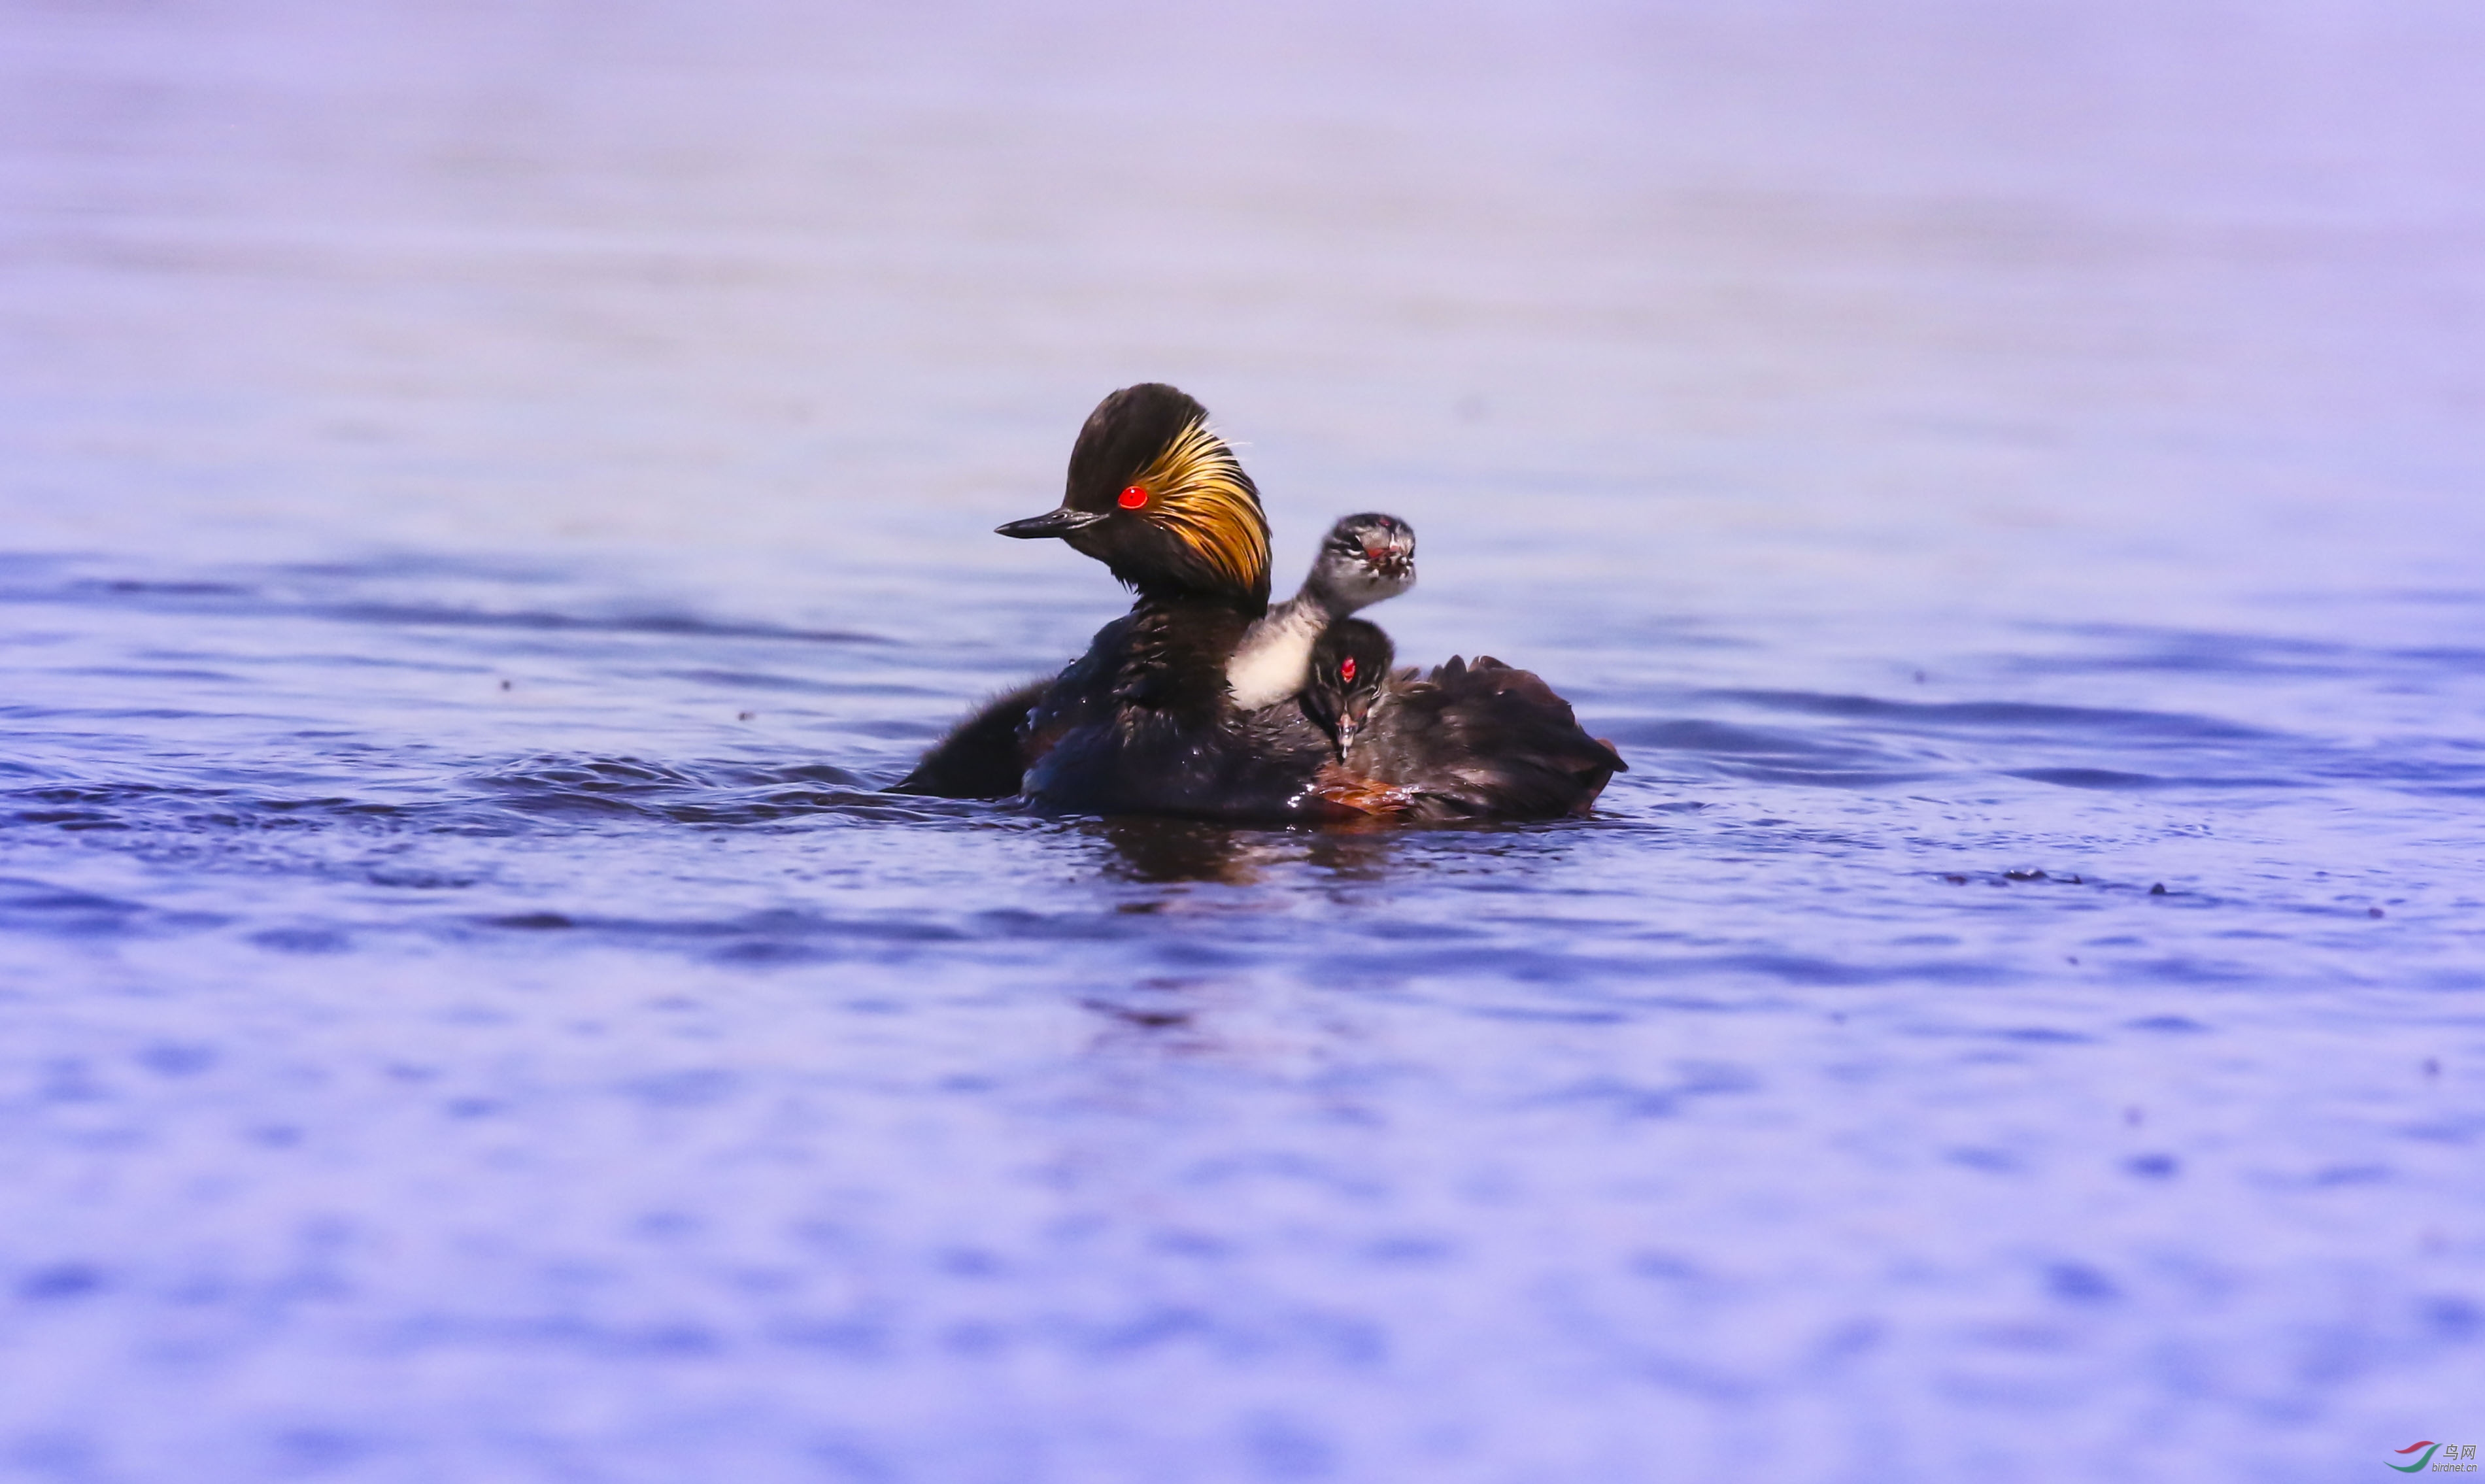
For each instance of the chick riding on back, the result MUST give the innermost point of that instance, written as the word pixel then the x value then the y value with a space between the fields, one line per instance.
pixel 1364 559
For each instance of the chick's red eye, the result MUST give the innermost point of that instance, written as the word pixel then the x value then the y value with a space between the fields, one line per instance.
pixel 1133 497
pixel 1346 669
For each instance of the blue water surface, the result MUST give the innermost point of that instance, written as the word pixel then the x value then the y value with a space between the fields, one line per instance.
pixel 492 498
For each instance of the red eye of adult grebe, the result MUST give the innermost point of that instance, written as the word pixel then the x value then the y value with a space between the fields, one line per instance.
pixel 1346 669
pixel 1133 497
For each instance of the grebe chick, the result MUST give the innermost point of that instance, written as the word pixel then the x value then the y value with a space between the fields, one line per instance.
pixel 1364 559
pixel 1349 663
pixel 1480 741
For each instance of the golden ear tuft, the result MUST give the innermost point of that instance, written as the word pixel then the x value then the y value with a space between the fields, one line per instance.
pixel 1201 495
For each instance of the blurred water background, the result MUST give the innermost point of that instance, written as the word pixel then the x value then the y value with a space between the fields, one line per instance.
pixel 490 490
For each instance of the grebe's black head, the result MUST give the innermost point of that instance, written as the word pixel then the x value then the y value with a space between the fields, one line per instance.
pixel 1156 497
pixel 1363 560
pixel 1350 661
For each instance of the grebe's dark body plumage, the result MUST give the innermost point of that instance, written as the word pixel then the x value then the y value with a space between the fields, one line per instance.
pixel 1141 725
pixel 1480 741
pixel 984 757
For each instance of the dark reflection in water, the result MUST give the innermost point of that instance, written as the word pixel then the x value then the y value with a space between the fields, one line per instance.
pixel 1178 850
pixel 1169 850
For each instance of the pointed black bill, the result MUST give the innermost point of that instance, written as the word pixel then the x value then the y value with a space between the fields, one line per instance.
pixel 1060 522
